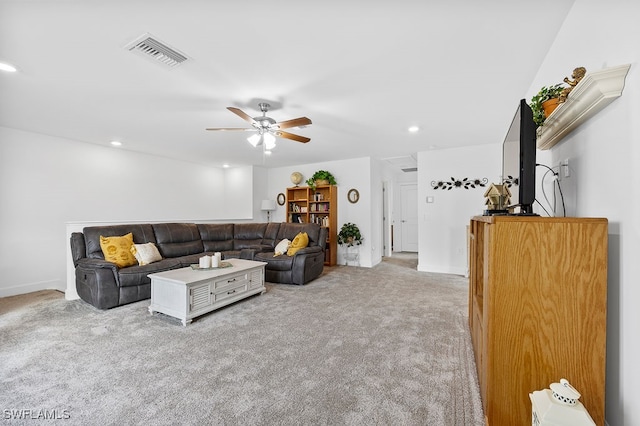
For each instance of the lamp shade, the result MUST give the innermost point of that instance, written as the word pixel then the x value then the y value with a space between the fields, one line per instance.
pixel 268 205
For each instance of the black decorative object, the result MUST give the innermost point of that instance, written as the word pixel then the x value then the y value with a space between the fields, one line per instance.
pixel 510 181
pixel 465 183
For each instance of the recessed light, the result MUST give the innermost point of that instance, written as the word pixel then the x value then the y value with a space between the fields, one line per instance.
pixel 7 67
pixel 116 143
pixel 413 129
pixel 226 166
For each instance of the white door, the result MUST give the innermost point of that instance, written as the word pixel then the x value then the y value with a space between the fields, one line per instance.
pixel 409 223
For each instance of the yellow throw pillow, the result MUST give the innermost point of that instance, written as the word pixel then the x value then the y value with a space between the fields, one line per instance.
pixel 118 250
pixel 146 253
pixel 299 242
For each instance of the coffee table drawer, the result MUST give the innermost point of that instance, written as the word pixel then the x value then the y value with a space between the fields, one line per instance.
pixel 230 292
pixel 230 282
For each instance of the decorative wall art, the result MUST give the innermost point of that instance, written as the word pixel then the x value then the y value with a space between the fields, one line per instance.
pixel 465 183
pixel 353 195
pixel 510 181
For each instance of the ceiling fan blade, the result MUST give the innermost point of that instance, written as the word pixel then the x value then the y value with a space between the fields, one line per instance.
pixel 225 129
pixel 296 122
pixel 293 137
pixel 243 115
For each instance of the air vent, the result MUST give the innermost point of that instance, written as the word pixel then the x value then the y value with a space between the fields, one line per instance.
pixel 410 169
pixel 150 47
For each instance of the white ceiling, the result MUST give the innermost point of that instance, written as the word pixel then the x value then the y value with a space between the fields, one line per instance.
pixel 362 71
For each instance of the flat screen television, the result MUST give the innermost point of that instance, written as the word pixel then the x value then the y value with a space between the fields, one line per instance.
pixel 519 161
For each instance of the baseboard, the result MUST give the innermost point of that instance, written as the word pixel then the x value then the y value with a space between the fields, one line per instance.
pixel 31 287
pixel 439 270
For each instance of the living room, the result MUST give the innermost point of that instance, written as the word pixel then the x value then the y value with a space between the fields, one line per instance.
pixel 88 182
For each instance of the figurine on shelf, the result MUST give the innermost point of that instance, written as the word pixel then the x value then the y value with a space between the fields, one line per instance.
pixel 577 75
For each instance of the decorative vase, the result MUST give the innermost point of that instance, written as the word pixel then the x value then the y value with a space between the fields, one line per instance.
pixel 549 106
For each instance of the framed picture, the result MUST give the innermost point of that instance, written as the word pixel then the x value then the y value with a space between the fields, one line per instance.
pixel 281 199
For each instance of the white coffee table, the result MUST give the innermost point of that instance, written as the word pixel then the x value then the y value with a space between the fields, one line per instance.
pixel 187 293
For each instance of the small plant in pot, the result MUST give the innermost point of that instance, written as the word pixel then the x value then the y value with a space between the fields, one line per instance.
pixel 321 177
pixel 349 235
pixel 544 102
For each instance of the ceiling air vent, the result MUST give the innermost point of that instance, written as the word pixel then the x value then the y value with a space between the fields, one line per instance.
pixel 150 47
pixel 410 169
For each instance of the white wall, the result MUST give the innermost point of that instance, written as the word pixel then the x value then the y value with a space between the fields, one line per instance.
pixel 442 244
pixel 604 157
pixel 47 182
pixel 354 173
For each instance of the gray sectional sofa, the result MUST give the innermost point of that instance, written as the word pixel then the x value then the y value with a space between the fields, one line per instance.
pixel 104 285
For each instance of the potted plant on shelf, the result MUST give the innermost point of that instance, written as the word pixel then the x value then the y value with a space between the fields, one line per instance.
pixel 544 102
pixel 321 177
pixel 349 235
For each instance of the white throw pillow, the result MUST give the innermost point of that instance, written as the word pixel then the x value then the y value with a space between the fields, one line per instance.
pixel 146 253
pixel 282 247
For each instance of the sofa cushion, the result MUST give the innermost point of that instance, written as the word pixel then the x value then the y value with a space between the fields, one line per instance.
pixel 270 234
pixel 246 235
pixel 142 233
pixel 275 263
pixel 216 236
pixel 137 275
pixel 177 239
pixel 299 242
pixel 117 249
pixel 290 230
pixel 146 253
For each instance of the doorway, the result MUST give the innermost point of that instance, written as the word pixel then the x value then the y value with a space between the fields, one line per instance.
pixel 409 217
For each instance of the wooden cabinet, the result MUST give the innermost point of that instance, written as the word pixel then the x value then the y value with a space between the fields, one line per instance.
pixel 306 205
pixel 537 311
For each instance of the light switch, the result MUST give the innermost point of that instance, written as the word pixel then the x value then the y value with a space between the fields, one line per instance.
pixel 429 199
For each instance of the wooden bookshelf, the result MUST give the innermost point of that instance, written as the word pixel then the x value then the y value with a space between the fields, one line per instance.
pixel 306 205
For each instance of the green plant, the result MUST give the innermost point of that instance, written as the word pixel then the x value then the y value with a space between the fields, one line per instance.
pixel 349 235
pixel 543 95
pixel 320 175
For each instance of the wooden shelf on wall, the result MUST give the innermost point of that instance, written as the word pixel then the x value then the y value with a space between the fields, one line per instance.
pixel 594 92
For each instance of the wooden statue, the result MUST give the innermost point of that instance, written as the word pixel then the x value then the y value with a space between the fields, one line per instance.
pixel 577 75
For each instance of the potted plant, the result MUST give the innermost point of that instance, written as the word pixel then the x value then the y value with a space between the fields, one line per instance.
pixel 544 102
pixel 321 177
pixel 349 235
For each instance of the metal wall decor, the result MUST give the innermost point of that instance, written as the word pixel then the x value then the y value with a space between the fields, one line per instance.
pixel 465 183
pixel 510 181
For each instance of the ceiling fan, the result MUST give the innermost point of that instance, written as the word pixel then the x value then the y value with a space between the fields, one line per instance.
pixel 267 128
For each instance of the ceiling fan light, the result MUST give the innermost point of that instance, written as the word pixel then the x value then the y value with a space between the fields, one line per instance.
pixel 254 139
pixel 269 141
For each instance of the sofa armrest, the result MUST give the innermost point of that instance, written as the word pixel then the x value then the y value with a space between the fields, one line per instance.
pixel 249 253
pixel 98 282
pixel 308 250
pixel 78 247
pixel 89 263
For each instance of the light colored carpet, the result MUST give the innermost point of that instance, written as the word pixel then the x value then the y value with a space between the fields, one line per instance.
pixel 378 346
